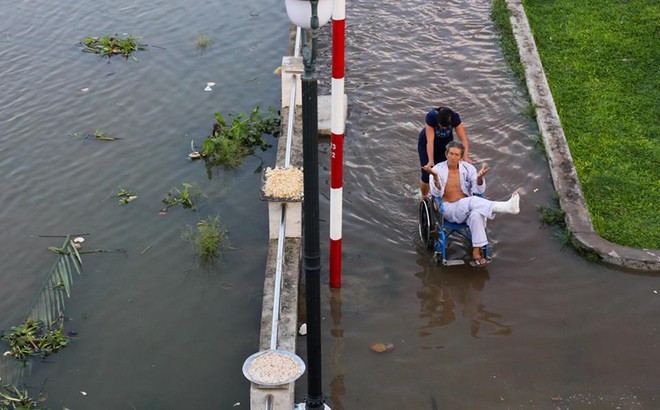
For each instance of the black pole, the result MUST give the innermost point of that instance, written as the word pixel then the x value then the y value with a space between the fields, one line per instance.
pixel 314 399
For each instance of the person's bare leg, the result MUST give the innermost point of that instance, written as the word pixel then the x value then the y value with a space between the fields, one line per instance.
pixel 424 188
pixel 478 259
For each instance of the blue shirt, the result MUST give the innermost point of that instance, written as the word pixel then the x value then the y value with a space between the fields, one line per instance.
pixel 442 137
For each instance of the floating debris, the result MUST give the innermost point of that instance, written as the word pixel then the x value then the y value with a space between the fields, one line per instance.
pixel 77 242
pixel 194 154
pixel 381 347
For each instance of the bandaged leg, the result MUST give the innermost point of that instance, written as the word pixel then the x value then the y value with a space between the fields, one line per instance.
pixel 512 206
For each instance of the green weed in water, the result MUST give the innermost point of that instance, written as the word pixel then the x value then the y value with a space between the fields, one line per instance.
pixel 232 140
pixel 126 196
pixel 186 197
pixel 207 238
pixel 112 45
pixel 203 42
pixel 33 338
pixel 12 398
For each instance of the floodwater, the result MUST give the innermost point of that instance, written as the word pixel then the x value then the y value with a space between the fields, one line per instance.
pixel 154 330
pixel 538 328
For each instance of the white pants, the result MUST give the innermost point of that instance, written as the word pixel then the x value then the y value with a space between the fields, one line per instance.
pixel 471 210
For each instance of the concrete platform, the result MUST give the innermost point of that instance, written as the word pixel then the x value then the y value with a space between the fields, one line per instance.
pixel 325 112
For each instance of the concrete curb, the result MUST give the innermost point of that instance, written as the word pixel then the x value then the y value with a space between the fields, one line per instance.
pixel 562 169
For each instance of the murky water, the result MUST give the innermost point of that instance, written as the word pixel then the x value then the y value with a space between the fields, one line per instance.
pixel 155 331
pixel 538 328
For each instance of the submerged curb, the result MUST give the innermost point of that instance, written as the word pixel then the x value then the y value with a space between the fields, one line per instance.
pixel 562 169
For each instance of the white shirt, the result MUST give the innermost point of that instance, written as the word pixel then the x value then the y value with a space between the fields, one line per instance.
pixel 467 177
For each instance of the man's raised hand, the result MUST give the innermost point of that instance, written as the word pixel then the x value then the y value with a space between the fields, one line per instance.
pixel 484 170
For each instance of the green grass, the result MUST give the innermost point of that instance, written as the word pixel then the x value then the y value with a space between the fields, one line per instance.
pixel 602 61
pixel 500 16
pixel 203 42
pixel 208 238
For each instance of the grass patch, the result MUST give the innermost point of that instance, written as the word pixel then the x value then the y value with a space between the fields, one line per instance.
pixel 203 42
pixel 109 46
pixel 601 60
pixel 232 140
pixel 552 215
pixel 539 145
pixel 207 238
pixel 500 16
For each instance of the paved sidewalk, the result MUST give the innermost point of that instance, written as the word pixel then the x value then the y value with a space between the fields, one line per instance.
pixel 563 172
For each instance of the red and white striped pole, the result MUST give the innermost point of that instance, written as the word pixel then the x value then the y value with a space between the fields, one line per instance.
pixel 337 139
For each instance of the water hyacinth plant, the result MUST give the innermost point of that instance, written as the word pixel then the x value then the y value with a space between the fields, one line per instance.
pixel 231 141
pixel 33 338
pixel 108 46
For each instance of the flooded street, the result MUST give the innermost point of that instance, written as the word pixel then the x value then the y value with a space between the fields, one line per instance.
pixel 538 328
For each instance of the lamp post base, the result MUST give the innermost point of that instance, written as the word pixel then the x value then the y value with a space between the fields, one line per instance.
pixel 301 406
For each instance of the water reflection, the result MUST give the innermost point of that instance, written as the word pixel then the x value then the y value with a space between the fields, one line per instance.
pixel 337 388
pixel 448 292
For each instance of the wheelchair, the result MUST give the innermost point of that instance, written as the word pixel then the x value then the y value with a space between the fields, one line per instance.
pixel 438 234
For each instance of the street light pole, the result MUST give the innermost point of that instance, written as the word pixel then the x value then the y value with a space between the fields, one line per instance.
pixel 314 399
pixel 320 14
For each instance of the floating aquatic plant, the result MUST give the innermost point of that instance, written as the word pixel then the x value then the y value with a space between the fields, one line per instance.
pixel 185 197
pixel 11 398
pixel 34 338
pixel 112 45
pixel 126 196
pixel 231 140
pixel 203 42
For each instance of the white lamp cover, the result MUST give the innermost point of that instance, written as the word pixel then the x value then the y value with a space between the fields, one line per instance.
pixel 300 12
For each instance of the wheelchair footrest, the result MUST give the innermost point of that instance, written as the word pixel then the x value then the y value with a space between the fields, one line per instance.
pixel 453 262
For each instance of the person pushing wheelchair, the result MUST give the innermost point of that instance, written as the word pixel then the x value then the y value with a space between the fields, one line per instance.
pixel 457 183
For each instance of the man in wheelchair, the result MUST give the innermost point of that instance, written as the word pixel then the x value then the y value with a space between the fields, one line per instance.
pixel 458 183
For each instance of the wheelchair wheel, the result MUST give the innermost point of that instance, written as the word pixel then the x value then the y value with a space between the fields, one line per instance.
pixel 426 223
